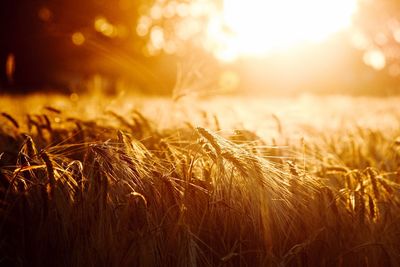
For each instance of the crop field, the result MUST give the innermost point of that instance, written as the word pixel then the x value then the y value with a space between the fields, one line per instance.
pixel 225 181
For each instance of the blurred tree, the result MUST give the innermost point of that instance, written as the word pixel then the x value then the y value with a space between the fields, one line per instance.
pixel 57 43
pixel 377 34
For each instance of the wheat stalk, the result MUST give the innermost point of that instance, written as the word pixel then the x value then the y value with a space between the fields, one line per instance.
pixel 51 181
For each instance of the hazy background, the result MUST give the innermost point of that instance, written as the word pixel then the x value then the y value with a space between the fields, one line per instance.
pixel 157 47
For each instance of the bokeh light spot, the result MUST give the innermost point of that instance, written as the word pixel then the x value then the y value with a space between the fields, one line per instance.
pixel 10 67
pixel 157 37
pixel 45 14
pixel 103 26
pixel 74 97
pixel 360 41
pixel 375 59
pixel 78 38
pixel 156 12
pixel 143 26
pixel 396 35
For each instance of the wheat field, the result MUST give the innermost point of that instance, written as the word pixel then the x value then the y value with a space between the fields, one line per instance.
pixel 228 181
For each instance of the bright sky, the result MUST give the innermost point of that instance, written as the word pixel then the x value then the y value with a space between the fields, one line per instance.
pixel 258 27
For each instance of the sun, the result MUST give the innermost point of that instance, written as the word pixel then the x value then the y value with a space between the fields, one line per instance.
pixel 259 27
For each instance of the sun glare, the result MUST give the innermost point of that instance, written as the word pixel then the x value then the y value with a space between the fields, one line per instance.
pixel 262 26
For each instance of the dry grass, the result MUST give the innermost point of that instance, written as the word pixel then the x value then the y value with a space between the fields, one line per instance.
pixel 119 189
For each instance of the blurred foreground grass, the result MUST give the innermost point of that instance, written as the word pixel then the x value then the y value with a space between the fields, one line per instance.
pixel 94 181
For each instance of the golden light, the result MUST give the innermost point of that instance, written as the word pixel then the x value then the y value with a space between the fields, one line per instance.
pixel 263 26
